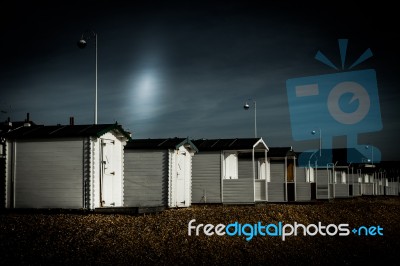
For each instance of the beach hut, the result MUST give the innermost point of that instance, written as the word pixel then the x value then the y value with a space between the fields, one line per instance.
pixel 64 166
pixel 282 180
pixel 4 128
pixel 333 174
pixel 393 186
pixel 341 182
pixel 354 181
pixel 230 171
pixel 390 171
pixel 158 172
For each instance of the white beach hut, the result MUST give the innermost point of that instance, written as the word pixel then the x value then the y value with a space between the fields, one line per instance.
pixel 230 171
pixel 158 172
pixel 64 166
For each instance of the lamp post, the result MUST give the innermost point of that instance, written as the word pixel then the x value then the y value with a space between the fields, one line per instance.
pixel 247 107
pixel 86 36
pixel 309 165
pixel 320 140
pixel 372 153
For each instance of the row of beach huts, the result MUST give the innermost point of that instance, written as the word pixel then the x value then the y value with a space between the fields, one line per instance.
pixel 101 166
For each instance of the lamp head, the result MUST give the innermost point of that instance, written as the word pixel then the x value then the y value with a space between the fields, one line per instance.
pixel 313 132
pixel 82 43
pixel 246 106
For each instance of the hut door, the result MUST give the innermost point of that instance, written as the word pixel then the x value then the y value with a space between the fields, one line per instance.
pixel 290 172
pixel 290 180
pixel 108 173
pixel 180 179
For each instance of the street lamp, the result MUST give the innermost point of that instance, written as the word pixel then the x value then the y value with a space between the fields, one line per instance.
pixel 372 153
pixel 86 36
pixel 247 107
pixel 320 140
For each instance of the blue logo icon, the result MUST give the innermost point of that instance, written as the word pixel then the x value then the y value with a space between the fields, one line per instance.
pixel 340 104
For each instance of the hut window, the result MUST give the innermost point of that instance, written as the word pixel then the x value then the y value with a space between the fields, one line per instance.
pixel 264 170
pixel 366 178
pixel 343 177
pixel 310 174
pixel 340 177
pixel 261 169
pixel 230 165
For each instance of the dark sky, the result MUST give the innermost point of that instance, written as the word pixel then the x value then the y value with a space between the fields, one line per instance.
pixel 185 68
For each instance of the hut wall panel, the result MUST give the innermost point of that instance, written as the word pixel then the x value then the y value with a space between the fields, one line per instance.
pixel 49 174
pixel 245 169
pixel 260 190
pixel 276 192
pixel 356 189
pixel 393 189
pixel 322 184
pixel 301 174
pixel 276 186
pixel 238 191
pixel 2 182
pixel 206 177
pixel 303 191
pixel 367 189
pixel 146 178
pixel 277 172
pixel 341 190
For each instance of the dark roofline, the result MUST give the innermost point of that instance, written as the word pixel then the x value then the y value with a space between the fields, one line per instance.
pixel 63 131
pixel 159 144
pixel 281 152
pixel 227 144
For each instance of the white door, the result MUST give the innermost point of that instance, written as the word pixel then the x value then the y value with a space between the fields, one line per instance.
pixel 108 172
pixel 180 179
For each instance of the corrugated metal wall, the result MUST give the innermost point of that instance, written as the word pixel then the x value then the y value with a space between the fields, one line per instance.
pixel 303 188
pixel 2 182
pixel 353 182
pixel 341 190
pixel 206 177
pixel 49 174
pixel 367 189
pixel 322 184
pixel 240 190
pixel 9 172
pixel 393 189
pixel 260 192
pixel 356 189
pixel 277 172
pixel 146 178
pixel 301 174
pixel 245 169
pixel 303 191
pixel 276 188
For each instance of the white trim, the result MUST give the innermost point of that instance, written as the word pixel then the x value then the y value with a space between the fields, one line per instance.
pixel 222 175
pixel 230 165
pixel 267 174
